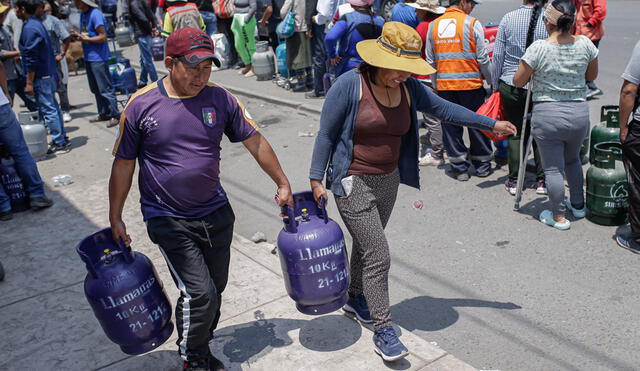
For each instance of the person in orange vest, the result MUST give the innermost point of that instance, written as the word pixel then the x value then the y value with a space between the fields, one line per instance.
pixel 589 22
pixel 455 47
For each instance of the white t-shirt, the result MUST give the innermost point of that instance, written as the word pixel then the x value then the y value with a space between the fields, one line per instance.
pixel 560 69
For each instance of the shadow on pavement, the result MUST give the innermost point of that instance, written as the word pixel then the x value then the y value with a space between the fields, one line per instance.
pixel 427 313
pixel 46 321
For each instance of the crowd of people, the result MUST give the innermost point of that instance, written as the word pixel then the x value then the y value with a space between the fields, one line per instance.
pixel 429 59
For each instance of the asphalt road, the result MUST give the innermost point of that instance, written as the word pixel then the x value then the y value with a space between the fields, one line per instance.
pixel 494 287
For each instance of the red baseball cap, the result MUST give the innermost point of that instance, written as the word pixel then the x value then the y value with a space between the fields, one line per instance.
pixel 191 46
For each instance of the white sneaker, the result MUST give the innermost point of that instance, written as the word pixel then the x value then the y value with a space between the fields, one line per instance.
pixel 429 160
pixel 66 117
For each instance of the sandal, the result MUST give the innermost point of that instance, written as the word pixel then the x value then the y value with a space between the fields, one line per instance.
pixel 577 213
pixel 547 218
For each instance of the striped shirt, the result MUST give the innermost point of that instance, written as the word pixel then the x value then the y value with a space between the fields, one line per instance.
pixel 510 43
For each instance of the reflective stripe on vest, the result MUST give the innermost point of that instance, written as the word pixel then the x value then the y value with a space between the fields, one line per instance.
pixel 181 9
pixel 455 52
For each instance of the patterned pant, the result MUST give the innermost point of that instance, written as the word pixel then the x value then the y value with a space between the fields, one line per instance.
pixel 365 212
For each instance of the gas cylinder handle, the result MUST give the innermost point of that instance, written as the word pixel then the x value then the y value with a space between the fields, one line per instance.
pixel 290 220
pixel 127 252
pixel 323 205
pixel 88 263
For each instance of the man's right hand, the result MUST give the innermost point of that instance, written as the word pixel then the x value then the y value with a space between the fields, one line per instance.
pixel 119 231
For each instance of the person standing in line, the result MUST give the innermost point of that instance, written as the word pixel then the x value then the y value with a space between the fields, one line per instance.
pixel 630 139
pixel 224 27
pixel 174 128
pixel 517 29
pixel 266 32
pixel 559 68
pixel 60 39
pixel 318 54
pixel 13 23
pixel 455 47
pixel 145 27
pixel 402 12
pixel 93 36
pixel 427 11
pixel 41 74
pixel 205 7
pixel 12 139
pixel 181 14
pixel 244 28
pixel 298 45
pixel 11 62
pixel 590 23
pixel 351 28
pixel 366 146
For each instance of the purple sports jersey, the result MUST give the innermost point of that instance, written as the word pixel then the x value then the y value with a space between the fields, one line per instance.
pixel 177 143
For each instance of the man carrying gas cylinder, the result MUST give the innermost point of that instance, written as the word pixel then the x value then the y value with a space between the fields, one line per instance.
pixel 174 127
pixel 455 48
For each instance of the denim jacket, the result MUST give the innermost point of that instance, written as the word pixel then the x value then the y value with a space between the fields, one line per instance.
pixel 333 150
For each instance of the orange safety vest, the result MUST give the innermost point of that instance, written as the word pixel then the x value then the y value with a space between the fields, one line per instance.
pixel 455 52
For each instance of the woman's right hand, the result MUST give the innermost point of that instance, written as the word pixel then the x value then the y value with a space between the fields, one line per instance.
pixel 318 191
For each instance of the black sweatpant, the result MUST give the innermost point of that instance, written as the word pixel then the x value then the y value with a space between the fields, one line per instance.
pixel 197 252
pixel 631 159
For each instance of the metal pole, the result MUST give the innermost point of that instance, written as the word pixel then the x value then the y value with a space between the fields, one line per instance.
pixel 524 152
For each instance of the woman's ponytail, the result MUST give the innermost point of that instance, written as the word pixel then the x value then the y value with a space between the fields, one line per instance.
pixel 533 21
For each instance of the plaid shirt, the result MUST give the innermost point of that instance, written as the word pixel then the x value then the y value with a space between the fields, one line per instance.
pixel 510 43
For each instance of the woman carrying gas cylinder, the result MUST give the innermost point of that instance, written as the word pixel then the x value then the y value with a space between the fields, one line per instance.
pixel 367 145
pixel 560 67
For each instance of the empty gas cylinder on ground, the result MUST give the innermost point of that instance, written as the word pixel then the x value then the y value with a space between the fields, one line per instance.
pixel 607 189
pixel 13 186
pixel 607 131
pixel 124 36
pixel 313 257
pixel 263 61
pixel 34 132
pixel 157 48
pixel 125 293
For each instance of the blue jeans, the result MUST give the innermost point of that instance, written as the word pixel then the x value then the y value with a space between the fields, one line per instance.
pixel 45 89
pixel 146 60
pixel 16 86
pixel 13 140
pixel 210 21
pixel 319 58
pixel 100 85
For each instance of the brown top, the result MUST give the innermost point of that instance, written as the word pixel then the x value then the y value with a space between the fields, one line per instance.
pixel 378 133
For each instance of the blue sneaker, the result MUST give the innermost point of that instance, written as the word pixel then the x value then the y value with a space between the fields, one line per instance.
pixel 388 346
pixel 357 305
pixel 628 243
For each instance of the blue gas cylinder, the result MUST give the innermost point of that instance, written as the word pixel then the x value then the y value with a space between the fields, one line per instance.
pixel 125 293
pixel 128 81
pixel 13 186
pixel 313 257
pixel 157 48
pixel 281 59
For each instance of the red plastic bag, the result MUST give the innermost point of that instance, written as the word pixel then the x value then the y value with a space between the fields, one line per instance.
pixel 493 108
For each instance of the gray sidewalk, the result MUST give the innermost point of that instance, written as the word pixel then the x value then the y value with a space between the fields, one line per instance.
pixel 47 323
